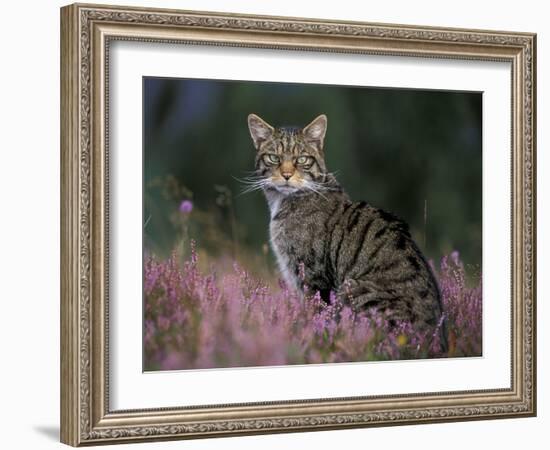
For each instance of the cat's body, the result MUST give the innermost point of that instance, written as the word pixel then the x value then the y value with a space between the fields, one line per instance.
pixel 363 254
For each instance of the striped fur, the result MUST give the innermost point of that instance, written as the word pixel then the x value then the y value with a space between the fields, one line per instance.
pixel 363 254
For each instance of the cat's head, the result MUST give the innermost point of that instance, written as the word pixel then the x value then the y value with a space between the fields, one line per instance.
pixel 289 159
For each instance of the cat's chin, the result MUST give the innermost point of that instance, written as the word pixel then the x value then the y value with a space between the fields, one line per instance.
pixel 286 189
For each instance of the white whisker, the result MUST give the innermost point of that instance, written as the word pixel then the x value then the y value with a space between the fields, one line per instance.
pixel 254 186
pixel 314 187
pixel 253 182
pixel 248 180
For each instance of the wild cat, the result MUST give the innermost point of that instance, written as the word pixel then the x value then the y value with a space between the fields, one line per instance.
pixel 363 254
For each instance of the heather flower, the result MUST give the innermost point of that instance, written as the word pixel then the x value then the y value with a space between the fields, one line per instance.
pixel 186 206
pixel 233 319
pixel 163 323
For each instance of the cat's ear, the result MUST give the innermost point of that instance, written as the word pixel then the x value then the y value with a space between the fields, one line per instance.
pixel 316 130
pixel 260 130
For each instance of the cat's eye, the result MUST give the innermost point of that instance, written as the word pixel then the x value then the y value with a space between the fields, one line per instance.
pixel 303 160
pixel 274 159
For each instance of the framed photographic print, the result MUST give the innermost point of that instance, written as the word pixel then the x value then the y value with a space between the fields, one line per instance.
pixel 275 224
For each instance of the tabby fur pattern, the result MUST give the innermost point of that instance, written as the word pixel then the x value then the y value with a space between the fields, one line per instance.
pixel 365 255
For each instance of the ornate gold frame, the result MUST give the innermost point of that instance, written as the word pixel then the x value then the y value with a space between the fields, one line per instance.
pixel 86 31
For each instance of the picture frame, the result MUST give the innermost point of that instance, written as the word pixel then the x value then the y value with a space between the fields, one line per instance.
pixel 87 33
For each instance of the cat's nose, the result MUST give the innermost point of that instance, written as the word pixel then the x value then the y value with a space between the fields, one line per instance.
pixel 287 175
pixel 287 169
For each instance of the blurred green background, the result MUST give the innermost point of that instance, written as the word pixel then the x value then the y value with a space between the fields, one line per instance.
pixel 415 153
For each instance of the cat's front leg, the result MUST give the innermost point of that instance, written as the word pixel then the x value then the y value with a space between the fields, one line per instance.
pixel 287 272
